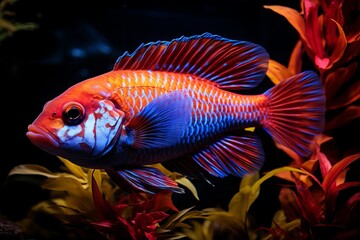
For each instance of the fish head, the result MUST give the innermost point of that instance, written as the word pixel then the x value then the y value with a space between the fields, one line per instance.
pixel 77 127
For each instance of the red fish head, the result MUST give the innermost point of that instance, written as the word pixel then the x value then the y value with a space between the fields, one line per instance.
pixel 80 129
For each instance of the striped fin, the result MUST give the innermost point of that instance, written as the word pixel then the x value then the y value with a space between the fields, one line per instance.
pixel 232 155
pixel 143 179
pixel 162 122
pixel 296 111
pixel 233 65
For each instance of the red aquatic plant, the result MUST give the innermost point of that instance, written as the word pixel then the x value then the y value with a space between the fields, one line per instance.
pixel 134 216
pixel 329 33
pixel 324 198
pixel 325 28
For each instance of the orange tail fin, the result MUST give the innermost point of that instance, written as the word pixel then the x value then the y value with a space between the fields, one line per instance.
pixel 296 111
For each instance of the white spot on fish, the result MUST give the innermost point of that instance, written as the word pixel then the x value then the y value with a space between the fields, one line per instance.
pixel 66 132
pixel 89 128
pixel 103 126
pixel 142 78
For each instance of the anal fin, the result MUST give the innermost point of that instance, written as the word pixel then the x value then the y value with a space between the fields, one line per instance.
pixel 232 155
pixel 143 179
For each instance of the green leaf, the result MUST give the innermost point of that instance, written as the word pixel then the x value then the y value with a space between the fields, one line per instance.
pixel 25 26
pixel 255 189
pixel 239 204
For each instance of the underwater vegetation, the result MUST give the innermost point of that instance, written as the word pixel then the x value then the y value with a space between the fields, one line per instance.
pixel 8 23
pixel 319 196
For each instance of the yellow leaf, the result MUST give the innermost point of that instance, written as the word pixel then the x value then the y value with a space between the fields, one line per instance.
pixel 74 169
pixel 291 225
pixel 189 185
pixel 255 189
pixel 32 169
pixel 295 62
pixel 173 219
pixel 63 184
pixel 179 178
pixel 293 17
pixel 7 25
pixel 279 217
pixel 239 204
pixel 97 175
pixel 77 197
pixel 277 72
pixel 196 232
pixel 161 168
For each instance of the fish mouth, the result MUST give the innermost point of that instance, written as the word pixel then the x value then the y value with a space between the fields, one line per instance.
pixel 41 138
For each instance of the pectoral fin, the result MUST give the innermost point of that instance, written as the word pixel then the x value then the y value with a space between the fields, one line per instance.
pixel 162 122
pixel 143 179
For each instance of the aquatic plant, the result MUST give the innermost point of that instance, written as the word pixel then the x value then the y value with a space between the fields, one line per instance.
pixel 322 201
pixel 319 198
pixel 329 37
pixel 8 23
pixel 87 198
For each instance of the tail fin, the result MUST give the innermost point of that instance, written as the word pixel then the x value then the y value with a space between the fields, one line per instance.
pixel 296 111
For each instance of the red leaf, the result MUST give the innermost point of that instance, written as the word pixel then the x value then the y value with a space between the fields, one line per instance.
pixel 347 185
pixel 348 96
pixel 350 113
pixel 310 205
pixel 329 182
pixel 352 50
pixel 339 44
pixel 103 209
pixel 337 169
pixel 118 229
pixel 144 224
pixel 324 163
pixel 336 79
pixel 312 29
pixel 344 215
pixel 162 201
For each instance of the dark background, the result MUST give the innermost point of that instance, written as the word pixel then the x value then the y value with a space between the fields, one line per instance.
pixel 76 40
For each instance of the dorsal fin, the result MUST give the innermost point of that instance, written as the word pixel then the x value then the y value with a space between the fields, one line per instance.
pixel 233 65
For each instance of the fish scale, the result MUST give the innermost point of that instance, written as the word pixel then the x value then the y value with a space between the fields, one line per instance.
pixel 210 103
pixel 215 111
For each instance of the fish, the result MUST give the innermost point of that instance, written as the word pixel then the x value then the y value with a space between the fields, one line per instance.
pixel 183 103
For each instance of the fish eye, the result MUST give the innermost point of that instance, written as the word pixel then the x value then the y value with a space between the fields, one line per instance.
pixel 73 113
